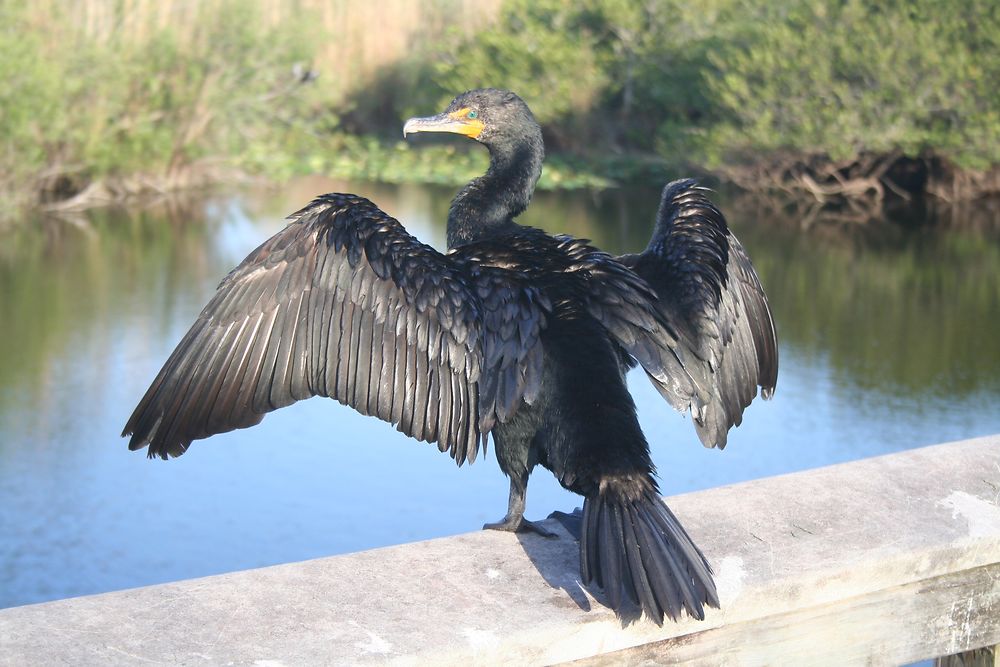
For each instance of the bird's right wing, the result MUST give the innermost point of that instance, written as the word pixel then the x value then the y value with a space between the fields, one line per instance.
pixel 344 303
pixel 712 301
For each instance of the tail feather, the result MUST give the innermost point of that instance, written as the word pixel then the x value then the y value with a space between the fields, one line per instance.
pixel 609 537
pixel 637 550
pixel 665 584
pixel 637 569
pixel 678 574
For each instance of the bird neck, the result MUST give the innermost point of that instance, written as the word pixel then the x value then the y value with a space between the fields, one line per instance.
pixel 487 206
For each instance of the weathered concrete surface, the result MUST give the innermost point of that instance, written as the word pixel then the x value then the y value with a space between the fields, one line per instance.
pixel 907 545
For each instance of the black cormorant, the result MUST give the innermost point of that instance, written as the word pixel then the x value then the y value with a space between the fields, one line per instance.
pixel 511 333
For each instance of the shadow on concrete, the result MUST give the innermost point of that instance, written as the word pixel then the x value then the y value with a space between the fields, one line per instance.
pixel 558 559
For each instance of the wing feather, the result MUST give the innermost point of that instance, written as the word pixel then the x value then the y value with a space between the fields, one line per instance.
pixel 344 303
pixel 235 335
pixel 711 299
pixel 251 344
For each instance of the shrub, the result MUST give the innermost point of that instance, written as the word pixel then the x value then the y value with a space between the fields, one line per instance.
pixel 725 79
pixel 842 78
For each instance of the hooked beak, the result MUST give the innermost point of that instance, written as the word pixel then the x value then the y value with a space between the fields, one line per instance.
pixel 455 123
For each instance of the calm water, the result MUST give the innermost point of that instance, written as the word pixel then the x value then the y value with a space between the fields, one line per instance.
pixel 889 340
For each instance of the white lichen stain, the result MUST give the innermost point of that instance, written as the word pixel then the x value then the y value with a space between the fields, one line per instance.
pixel 729 579
pixel 492 573
pixel 962 619
pixel 982 516
pixel 375 644
pixel 480 639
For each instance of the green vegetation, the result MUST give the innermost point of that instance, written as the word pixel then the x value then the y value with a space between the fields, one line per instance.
pixel 841 78
pixel 831 97
pixel 82 107
pixel 837 96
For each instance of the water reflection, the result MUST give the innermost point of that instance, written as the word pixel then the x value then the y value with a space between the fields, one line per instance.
pixel 888 336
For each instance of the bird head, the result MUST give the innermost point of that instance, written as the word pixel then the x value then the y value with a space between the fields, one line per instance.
pixel 490 116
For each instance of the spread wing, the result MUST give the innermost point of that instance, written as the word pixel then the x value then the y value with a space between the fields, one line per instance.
pixel 344 303
pixel 713 302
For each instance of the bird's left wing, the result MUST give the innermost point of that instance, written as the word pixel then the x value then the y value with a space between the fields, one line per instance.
pixel 712 302
pixel 344 303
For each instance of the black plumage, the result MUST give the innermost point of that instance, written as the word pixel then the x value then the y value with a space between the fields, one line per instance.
pixel 513 333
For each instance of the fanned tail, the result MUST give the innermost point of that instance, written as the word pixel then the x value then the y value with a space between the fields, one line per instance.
pixel 637 550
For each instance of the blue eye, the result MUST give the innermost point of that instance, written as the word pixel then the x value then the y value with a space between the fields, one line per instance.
pixel 471 114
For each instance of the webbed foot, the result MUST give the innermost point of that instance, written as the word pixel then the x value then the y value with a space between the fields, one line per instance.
pixel 518 524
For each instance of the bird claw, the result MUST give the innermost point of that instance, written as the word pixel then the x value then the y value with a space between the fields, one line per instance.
pixel 520 525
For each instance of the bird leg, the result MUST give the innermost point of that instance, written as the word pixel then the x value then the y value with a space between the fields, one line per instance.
pixel 515 522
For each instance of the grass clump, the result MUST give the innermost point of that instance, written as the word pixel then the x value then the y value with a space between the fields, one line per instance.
pixel 81 106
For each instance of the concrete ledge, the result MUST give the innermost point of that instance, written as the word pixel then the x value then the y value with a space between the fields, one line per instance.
pixel 885 560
